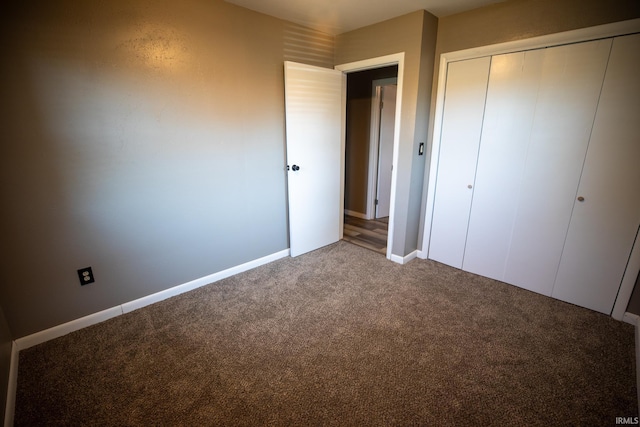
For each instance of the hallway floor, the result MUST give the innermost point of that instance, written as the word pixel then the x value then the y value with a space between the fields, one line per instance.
pixel 370 234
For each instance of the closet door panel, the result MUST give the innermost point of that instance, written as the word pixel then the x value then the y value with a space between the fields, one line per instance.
pixel 604 225
pixel 570 85
pixel 509 112
pixel 465 94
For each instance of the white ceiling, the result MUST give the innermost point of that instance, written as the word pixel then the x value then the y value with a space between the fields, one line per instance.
pixel 339 16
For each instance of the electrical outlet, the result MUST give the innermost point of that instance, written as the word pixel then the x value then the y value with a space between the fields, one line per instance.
pixel 86 276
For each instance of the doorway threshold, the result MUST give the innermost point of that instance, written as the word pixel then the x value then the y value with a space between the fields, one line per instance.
pixel 369 234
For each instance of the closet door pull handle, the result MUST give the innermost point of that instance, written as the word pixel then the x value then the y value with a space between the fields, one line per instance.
pixel 580 199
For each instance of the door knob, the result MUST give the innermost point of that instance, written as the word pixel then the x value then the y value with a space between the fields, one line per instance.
pixel 581 199
pixel 295 168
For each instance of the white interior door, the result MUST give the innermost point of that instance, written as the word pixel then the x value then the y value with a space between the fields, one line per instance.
pixel 466 91
pixel 606 215
pixel 315 115
pixel 385 150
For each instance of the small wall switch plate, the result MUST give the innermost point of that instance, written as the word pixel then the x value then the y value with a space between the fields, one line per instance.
pixel 86 276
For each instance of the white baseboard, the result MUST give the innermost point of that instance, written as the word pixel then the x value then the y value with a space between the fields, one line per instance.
pixel 630 318
pixel 194 284
pixel 66 328
pixel 10 404
pixel 92 319
pixel 423 254
pixel 405 259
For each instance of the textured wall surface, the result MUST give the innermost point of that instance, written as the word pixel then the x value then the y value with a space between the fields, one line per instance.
pixel 142 138
pixel 522 19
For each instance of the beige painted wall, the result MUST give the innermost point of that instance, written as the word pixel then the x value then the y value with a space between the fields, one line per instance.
pixel 143 138
pixel 522 19
pixel 146 138
pixel 414 34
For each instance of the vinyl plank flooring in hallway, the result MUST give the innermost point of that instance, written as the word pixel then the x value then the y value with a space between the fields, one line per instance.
pixel 370 234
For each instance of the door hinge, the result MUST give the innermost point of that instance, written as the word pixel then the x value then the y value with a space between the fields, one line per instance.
pixel 376 202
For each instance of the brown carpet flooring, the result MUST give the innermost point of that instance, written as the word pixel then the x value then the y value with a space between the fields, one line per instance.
pixel 340 336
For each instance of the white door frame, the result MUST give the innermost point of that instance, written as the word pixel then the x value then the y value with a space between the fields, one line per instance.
pixel 374 144
pixel 367 64
pixel 574 36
